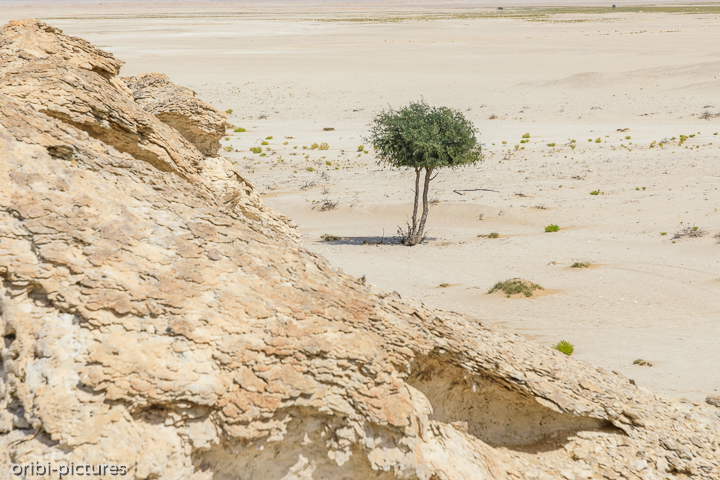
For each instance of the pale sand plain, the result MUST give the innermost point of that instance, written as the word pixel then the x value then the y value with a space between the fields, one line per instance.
pixel 290 70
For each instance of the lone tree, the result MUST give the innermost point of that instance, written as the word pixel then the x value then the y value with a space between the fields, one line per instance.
pixel 426 139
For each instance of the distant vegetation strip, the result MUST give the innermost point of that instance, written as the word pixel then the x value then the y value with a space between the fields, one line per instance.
pixel 522 13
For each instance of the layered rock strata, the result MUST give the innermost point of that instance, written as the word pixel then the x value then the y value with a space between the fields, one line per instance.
pixel 148 322
pixel 200 123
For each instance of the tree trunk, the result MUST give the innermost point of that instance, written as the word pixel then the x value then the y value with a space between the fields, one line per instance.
pixel 421 228
pixel 413 227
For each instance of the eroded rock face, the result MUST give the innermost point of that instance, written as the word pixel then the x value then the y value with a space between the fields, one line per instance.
pixel 200 123
pixel 150 321
pixel 68 79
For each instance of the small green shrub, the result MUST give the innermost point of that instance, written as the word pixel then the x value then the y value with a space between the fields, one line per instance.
pixel 310 169
pixel 504 142
pixel 228 149
pixel 551 144
pixel 663 233
pixel 595 192
pixel 314 146
pixel 581 265
pixel 515 286
pixel 493 235
pixel 268 138
pixel 564 347
pixel 323 146
pixel 552 228
pixel 328 162
pixel 330 238
pixel 328 129
pixel 524 141
pixel 228 111
pixel 526 135
pixel 589 139
pixel 263 154
pixel 227 138
pixel 239 130
pixel 444 285
pixel 628 137
pixel 255 149
pixel 264 143
pixel 361 148
pixel 598 140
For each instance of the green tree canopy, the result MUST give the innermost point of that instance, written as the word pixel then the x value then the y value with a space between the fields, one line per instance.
pixel 424 138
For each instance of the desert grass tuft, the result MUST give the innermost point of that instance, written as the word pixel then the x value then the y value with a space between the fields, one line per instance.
pixel 564 347
pixel 581 265
pixel 515 286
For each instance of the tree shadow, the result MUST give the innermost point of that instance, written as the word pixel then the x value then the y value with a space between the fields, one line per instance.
pixel 376 240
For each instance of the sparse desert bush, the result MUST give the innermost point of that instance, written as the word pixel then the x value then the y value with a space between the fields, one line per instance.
pixel 643 363
pixel 263 154
pixel 691 232
pixel 269 138
pixel 551 144
pixel 581 265
pixel 328 129
pixel 310 169
pixel 227 138
pixel 598 140
pixel 504 142
pixel 255 149
pixel 328 162
pixel 564 347
pixel 228 111
pixel 595 192
pixel 663 233
pixel 330 238
pixel 228 149
pixel 285 143
pixel 589 139
pixel 515 286
pixel 526 135
pixel 552 228
pixel 523 141
pixel 628 137
pixel 493 117
pixel 323 146
pixel 239 130
pixel 327 204
pixel 361 148
pixel 493 235
pixel 717 235
pixel 264 143
pixel 314 146
pixel 444 285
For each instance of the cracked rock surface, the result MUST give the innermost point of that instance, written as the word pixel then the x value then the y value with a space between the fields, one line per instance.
pixel 156 314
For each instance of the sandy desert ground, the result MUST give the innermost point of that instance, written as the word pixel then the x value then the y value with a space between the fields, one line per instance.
pixel 605 97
